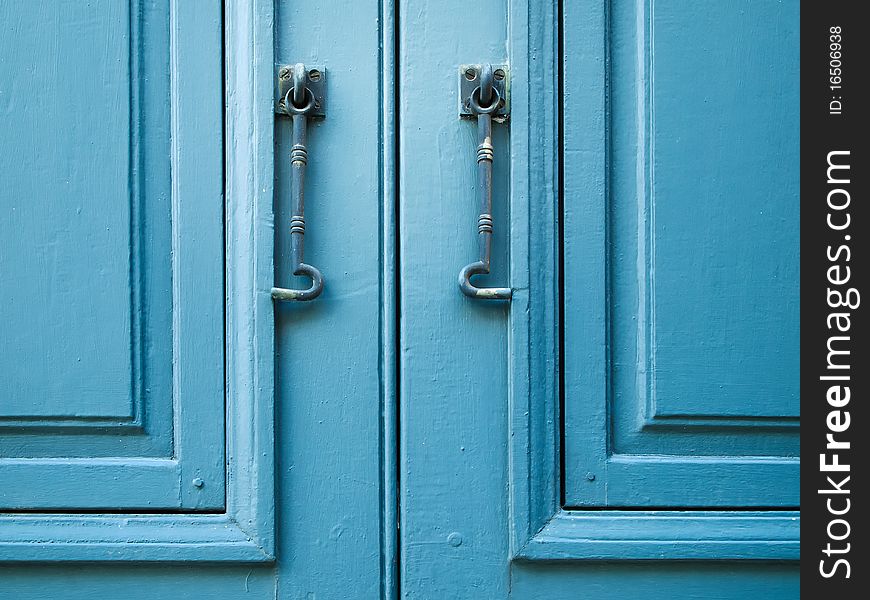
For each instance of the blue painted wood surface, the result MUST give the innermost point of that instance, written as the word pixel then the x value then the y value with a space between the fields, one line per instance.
pixel 681 258
pixel 69 222
pixel 453 365
pixel 313 515
pixel 676 581
pixel 481 501
pixel 245 531
pixel 333 355
pixel 331 488
pixel 111 240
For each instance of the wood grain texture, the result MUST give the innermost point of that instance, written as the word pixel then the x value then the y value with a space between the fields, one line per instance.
pixel 453 367
pixel 334 361
pixel 245 531
pixel 65 230
pixel 157 582
pixel 681 257
pixel 312 390
pixel 114 349
pixel 139 53
pixel 726 581
pixel 454 446
pixel 666 536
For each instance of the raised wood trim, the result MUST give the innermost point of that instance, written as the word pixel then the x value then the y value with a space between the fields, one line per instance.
pixel 246 531
pixel 666 535
pixel 541 530
pixel 147 538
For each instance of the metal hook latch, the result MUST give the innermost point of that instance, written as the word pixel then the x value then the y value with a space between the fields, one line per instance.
pixel 484 95
pixel 301 96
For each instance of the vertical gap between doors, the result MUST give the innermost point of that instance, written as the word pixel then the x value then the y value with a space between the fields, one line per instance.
pixel 397 340
pixel 398 310
pixel 560 212
pixel 390 314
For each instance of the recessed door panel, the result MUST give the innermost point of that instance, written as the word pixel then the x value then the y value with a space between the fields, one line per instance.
pixel 702 261
pixel 67 217
pixel 111 245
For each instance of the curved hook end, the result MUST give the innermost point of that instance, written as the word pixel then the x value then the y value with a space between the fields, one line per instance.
pixel 311 293
pixel 470 290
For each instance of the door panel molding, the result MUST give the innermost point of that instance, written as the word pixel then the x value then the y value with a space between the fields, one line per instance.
pixel 647 280
pixel 541 529
pixel 710 535
pixel 244 532
pixel 133 370
pixel 60 393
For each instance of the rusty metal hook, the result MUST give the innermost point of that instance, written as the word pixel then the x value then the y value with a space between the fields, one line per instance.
pixel 299 107
pixel 484 100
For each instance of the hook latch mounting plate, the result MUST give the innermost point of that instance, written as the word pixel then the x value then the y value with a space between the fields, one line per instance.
pixel 469 80
pixel 315 80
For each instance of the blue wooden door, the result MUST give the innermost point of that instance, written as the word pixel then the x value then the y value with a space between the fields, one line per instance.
pixel 690 310
pixel 112 251
pixel 624 426
pixel 166 429
pixel 637 398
